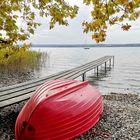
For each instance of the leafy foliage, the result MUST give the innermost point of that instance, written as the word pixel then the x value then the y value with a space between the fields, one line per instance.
pixel 25 11
pixel 104 13
pixel 110 12
pixel 18 21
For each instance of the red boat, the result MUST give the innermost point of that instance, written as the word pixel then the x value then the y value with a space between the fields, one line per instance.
pixel 59 110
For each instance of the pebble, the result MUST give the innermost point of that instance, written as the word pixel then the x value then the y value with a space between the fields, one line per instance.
pixel 120 119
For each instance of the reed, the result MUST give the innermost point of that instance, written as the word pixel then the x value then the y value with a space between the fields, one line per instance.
pixel 20 59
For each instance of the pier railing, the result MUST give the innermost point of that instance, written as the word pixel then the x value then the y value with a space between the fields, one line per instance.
pixel 20 92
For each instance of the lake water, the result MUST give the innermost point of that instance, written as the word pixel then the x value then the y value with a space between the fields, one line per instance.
pixel 123 78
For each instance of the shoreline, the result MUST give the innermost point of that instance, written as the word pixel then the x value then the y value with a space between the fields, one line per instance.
pixel 120 119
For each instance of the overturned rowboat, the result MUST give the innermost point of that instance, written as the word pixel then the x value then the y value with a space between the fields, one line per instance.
pixel 59 110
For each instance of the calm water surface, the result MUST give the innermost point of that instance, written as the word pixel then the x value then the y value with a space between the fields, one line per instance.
pixel 123 78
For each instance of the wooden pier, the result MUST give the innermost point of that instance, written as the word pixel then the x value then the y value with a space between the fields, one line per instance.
pixel 20 92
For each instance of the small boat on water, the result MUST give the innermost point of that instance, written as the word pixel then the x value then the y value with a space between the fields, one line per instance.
pixel 86 48
pixel 59 110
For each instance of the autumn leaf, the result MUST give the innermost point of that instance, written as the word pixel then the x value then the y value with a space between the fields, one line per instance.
pixel 126 27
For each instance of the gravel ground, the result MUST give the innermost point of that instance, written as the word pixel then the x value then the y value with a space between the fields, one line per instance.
pixel 120 119
pixel 12 78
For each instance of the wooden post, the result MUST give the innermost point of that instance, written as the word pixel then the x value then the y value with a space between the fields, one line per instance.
pixel 110 64
pixel 97 70
pixel 105 67
pixel 113 60
pixel 84 76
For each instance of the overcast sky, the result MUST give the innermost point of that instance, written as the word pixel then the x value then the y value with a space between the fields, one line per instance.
pixel 73 34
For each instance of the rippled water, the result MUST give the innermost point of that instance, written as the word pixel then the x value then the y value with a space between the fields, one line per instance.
pixel 124 77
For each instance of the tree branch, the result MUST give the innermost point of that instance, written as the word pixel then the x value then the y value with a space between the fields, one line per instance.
pixel 117 5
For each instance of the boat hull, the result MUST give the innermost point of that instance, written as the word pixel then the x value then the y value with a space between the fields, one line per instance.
pixel 59 110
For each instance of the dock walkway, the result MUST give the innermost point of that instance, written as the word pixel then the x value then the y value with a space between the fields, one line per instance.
pixel 20 92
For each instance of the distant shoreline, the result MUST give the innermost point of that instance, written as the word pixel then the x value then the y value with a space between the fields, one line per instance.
pixel 84 45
